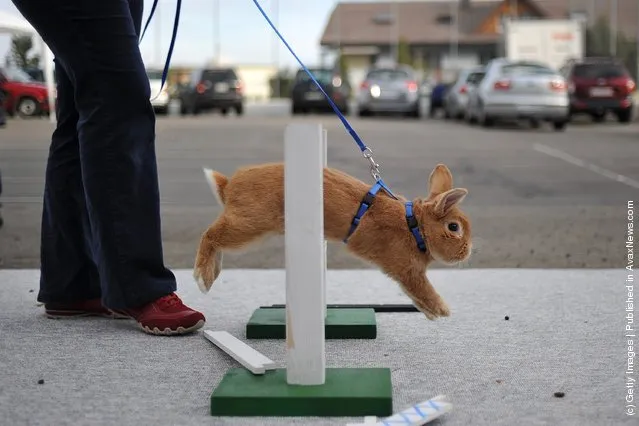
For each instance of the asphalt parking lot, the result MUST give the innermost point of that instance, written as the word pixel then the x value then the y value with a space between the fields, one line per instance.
pixel 537 198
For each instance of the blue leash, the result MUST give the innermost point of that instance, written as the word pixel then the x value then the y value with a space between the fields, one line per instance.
pixel 165 72
pixel 368 153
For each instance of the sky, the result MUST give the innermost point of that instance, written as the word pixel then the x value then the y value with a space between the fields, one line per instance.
pixel 245 36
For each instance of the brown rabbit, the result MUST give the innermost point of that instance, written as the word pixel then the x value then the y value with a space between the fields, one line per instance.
pixel 253 200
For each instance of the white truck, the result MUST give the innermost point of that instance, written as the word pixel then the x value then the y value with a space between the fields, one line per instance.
pixel 552 42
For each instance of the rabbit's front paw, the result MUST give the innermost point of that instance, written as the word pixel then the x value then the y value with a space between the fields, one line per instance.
pixel 435 309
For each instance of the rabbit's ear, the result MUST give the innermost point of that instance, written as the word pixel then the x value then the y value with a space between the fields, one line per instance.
pixel 448 200
pixel 441 180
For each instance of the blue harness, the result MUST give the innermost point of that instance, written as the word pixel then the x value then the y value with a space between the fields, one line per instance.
pixel 367 201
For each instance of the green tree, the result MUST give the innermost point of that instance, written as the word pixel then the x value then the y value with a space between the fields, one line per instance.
pixel 403 53
pixel 20 49
pixel 598 44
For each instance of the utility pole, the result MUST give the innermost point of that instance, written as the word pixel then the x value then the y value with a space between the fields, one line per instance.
pixel 454 30
pixel 216 32
pixel 276 53
pixel 395 35
pixel 158 36
pixel 613 27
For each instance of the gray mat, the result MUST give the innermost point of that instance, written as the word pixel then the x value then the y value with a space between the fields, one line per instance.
pixel 565 333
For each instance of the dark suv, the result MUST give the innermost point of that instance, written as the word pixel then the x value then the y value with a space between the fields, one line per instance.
pixel 212 88
pixel 600 85
pixel 306 96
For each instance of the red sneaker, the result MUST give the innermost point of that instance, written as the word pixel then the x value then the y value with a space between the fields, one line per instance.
pixel 84 308
pixel 166 316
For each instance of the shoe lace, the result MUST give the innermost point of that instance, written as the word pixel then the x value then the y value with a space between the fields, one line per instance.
pixel 170 300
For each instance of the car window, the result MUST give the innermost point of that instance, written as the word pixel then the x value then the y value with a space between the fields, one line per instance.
pixel 523 68
pixel 388 75
pixel 17 75
pixel 324 76
pixel 154 75
pixel 599 71
pixel 215 76
pixel 475 77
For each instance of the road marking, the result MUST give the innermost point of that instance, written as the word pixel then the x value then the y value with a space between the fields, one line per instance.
pixel 580 163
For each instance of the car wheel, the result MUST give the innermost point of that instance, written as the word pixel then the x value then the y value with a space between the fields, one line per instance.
pixel 484 120
pixel 363 113
pixel 224 111
pixel 534 123
pixel 624 116
pixel 559 126
pixel 239 109
pixel 27 107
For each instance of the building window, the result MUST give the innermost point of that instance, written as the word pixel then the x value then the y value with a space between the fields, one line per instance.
pixel 384 19
pixel 444 20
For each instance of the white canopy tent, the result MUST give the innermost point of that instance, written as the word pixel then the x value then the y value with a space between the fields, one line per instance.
pixel 16 25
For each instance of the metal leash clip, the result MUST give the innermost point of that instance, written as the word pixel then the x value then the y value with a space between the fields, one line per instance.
pixel 368 153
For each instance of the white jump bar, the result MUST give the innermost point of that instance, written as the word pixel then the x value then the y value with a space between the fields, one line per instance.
pixel 253 360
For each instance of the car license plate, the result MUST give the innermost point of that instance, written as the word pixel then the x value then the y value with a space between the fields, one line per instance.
pixel 389 94
pixel 221 87
pixel 601 92
pixel 313 96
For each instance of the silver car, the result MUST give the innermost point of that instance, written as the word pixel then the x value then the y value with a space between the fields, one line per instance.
pixel 456 98
pixel 389 90
pixel 513 90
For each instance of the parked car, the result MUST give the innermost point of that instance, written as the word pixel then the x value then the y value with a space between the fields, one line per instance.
pixel 456 97
pixel 437 98
pixel 23 95
pixel 598 86
pixel 306 96
pixel 514 90
pixel 392 89
pixel 213 89
pixel 159 99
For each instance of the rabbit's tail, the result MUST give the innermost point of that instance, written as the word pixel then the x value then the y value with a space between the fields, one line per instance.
pixel 217 181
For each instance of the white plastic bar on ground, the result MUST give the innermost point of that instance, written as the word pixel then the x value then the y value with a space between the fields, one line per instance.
pixel 305 254
pixel 253 360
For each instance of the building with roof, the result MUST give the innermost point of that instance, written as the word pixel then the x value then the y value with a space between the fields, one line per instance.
pixel 443 34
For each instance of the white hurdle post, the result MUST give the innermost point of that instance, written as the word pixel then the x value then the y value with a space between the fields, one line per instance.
pixel 325 161
pixel 304 159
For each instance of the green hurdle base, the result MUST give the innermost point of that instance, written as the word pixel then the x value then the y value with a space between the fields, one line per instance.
pixel 347 392
pixel 269 323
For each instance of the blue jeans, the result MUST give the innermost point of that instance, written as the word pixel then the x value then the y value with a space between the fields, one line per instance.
pixel 101 230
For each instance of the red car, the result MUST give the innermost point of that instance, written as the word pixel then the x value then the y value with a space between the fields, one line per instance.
pixel 598 86
pixel 23 95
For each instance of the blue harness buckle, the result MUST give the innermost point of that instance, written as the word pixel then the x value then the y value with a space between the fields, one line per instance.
pixel 413 225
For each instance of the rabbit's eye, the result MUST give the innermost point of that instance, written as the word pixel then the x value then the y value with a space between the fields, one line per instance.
pixel 454 227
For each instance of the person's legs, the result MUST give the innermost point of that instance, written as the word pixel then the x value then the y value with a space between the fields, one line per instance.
pixel 98 45
pixel 69 280
pixel 68 273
